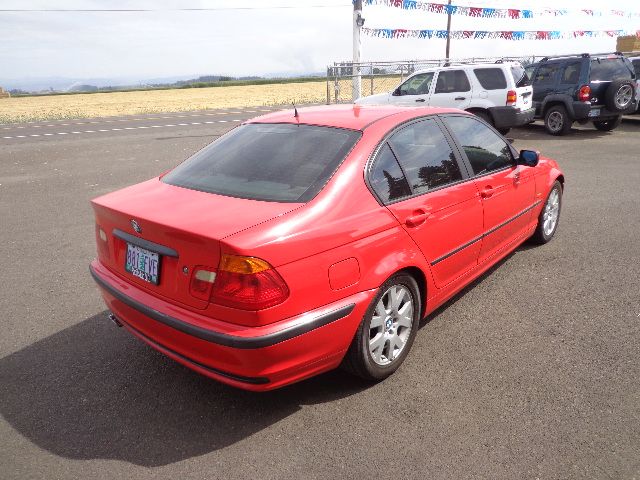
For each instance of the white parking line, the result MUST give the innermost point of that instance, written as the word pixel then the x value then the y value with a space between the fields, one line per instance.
pixel 79 121
pixel 125 128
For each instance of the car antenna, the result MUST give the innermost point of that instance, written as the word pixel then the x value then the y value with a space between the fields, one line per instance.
pixel 295 110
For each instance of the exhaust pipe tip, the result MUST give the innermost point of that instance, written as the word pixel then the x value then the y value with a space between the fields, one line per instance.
pixel 115 320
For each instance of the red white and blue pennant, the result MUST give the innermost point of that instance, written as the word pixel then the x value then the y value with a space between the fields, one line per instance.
pixel 488 12
pixel 502 34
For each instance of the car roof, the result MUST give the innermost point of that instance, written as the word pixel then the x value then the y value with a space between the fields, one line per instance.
pixel 458 66
pixel 355 117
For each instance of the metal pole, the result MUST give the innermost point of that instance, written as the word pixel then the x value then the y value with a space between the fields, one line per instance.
pixel 357 50
pixel 448 31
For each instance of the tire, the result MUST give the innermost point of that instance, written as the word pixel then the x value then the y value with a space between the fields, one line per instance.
pixel 619 95
pixel 487 118
pixel 608 125
pixel 368 355
pixel 557 121
pixel 545 231
pixel 483 115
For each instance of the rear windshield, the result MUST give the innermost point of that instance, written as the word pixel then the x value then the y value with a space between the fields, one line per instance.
pixel 270 162
pixel 491 78
pixel 520 77
pixel 609 69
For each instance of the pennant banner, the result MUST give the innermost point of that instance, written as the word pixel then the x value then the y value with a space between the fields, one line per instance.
pixel 505 35
pixel 484 12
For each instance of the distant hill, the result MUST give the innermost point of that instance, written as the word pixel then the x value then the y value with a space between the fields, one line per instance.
pixel 46 85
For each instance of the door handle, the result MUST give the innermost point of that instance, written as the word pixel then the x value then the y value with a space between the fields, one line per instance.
pixel 486 192
pixel 416 219
pixel 420 100
pixel 461 98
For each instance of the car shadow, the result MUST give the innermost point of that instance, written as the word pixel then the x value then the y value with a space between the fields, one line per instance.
pixel 460 295
pixel 537 131
pixel 92 391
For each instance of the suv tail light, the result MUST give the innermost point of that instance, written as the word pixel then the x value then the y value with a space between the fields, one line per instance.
pixel 246 283
pixel 512 98
pixel 584 95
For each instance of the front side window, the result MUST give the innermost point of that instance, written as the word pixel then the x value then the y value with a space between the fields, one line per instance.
pixel 419 84
pixel 491 78
pixel 269 162
pixel 386 178
pixel 452 81
pixel 485 149
pixel 425 156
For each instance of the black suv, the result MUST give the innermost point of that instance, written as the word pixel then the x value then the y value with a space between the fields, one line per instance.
pixel 583 88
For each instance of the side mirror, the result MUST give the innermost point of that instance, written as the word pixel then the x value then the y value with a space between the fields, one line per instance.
pixel 528 158
pixel 396 92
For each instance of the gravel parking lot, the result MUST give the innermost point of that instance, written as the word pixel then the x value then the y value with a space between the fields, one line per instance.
pixel 532 372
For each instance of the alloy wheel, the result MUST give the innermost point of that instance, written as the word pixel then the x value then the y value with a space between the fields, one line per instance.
pixel 623 96
pixel 551 212
pixel 391 324
pixel 555 121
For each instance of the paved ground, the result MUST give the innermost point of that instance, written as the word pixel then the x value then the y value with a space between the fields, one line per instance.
pixel 532 372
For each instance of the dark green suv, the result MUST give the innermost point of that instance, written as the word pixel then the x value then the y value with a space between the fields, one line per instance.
pixel 583 88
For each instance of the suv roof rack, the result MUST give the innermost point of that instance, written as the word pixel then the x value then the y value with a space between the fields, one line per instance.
pixel 583 55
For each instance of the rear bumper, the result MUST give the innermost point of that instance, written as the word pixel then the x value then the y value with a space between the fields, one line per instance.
pixel 587 112
pixel 507 117
pixel 253 358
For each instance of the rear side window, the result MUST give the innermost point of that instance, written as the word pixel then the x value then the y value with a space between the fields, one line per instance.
pixel 485 150
pixel 270 162
pixel 546 74
pixel 451 81
pixel 386 177
pixel 571 73
pixel 636 67
pixel 491 78
pixel 425 156
pixel 609 69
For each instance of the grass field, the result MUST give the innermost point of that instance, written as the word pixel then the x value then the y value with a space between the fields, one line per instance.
pixel 49 107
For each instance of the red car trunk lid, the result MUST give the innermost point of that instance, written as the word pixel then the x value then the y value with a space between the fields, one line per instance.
pixel 189 222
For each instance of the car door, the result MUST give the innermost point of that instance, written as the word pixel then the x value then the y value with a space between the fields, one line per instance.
pixel 452 90
pixel 507 190
pixel 420 178
pixel 414 91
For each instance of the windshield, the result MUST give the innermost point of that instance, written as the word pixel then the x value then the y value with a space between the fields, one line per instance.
pixel 606 69
pixel 270 162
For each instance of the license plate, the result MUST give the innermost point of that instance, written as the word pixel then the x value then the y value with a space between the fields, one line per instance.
pixel 594 113
pixel 143 263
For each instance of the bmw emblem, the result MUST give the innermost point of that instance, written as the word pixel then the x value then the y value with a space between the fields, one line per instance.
pixel 136 227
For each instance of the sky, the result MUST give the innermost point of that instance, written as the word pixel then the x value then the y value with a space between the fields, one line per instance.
pixel 256 37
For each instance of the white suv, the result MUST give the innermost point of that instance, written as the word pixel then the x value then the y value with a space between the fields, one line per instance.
pixel 500 93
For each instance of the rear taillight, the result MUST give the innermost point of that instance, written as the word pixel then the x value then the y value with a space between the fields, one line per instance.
pixel 102 242
pixel 246 283
pixel 512 98
pixel 584 94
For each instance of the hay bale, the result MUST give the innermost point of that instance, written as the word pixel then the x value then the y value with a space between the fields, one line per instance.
pixel 629 43
pixel 4 94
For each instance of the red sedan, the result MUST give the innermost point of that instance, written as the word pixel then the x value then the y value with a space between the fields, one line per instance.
pixel 298 243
